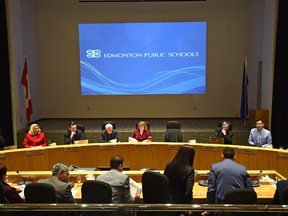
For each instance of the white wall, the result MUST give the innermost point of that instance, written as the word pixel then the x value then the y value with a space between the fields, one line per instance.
pixel 53 58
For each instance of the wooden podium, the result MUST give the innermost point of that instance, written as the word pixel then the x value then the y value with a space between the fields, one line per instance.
pixel 259 114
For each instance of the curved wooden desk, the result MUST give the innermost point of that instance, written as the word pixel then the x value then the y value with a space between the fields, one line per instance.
pixel 139 155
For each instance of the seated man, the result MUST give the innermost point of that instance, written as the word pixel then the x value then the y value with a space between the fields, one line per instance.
pixel 226 175
pixel 59 181
pixel 73 134
pixel 225 132
pixel 109 134
pixel 119 182
pixel 259 136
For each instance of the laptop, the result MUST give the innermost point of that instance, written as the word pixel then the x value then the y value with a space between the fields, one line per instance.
pixel 81 141
pixel 217 140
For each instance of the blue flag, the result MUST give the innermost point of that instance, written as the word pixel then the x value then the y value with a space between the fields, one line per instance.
pixel 244 96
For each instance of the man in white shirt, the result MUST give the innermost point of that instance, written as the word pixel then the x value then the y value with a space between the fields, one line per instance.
pixel 260 136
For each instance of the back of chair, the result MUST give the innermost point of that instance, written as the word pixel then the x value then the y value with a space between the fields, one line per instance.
pixel 173 132
pixel 285 196
pixel 108 122
pixel 3 199
pixel 96 192
pixel 40 193
pixel 155 187
pixel 240 196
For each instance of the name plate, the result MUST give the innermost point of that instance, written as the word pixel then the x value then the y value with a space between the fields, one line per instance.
pixel 247 151
pixel 210 148
pixel 107 147
pixel 35 152
pixel 2 156
pixel 282 154
pixel 173 146
pixel 72 149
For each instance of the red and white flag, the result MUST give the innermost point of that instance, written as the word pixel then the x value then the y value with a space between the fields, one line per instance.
pixel 25 83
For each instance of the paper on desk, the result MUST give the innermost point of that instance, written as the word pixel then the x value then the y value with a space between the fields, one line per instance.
pixel 134 187
pixel 73 192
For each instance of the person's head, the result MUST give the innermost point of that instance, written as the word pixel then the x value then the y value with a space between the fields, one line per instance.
pixel 34 129
pixel 142 126
pixel 109 128
pixel 3 171
pixel 62 171
pixel 72 127
pixel 116 162
pixel 228 153
pixel 185 155
pixel 259 124
pixel 225 125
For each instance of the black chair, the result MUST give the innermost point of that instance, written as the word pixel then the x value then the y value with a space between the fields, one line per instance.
pixel 41 193
pixel 241 196
pixel 108 122
pixel 173 132
pixel 155 189
pixel 96 192
pixel 147 123
pixel 3 199
pixel 81 127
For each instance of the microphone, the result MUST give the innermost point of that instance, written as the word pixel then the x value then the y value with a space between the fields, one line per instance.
pixel 256 183
pixel 24 180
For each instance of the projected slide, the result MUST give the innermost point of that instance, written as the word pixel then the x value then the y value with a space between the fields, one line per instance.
pixel 143 58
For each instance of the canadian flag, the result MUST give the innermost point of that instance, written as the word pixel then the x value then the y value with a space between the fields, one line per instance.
pixel 25 83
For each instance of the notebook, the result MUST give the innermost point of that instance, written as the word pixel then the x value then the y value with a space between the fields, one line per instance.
pixel 81 141
pixel 217 140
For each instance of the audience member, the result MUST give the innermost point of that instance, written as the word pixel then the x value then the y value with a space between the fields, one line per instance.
pixel 34 137
pixel 119 182
pixel 226 175
pixel 59 181
pixel 109 134
pixel 73 134
pixel 180 173
pixel 141 134
pixel 225 132
pixel 9 192
pixel 260 136
pixel 279 196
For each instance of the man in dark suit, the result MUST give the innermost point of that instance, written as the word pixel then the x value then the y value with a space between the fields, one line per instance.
pixel 226 175
pixel 279 196
pixel 119 182
pixel 59 181
pixel 73 134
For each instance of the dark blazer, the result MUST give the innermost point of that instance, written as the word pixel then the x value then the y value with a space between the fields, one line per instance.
pixel 278 196
pixel 78 136
pixel 105 137
pixel 63 189
pixel 224 176
pixel 11 194
pixel 227 137
pixel 181 187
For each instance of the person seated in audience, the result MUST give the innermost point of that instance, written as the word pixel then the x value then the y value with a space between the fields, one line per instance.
pixel 109 134
pixel 34 137
pixel 2 141
pixel 225 132
pixel 260 136
pixel 181 174
pixel 73 134
pixel 59 181
pixel 141 134
pixel 10 193
pixel 119 182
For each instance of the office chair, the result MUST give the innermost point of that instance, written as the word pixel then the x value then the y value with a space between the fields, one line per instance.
pixel 96 192
pixel 147 123
pixel 81 127
pixel 173 132
pixel 281 195
pixel 3 199
pixel 108 122
pixel 155 189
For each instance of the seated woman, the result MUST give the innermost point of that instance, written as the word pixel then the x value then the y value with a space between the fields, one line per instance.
pixel 109 134
pixel 34 137
pixel 224 131
pixel 141 134
pixel 10 193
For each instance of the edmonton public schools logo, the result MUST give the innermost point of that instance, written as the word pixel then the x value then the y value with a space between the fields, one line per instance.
pixel 93 53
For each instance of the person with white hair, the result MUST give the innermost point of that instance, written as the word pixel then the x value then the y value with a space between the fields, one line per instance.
pixel 109 134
